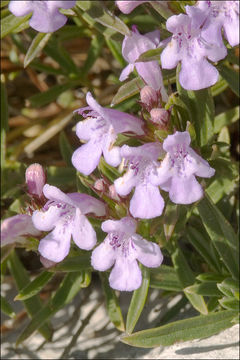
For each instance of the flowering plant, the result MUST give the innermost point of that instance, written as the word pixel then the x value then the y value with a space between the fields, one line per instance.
pixel 136 104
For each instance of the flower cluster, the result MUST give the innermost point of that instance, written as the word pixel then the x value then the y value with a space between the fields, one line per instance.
pixel 146 170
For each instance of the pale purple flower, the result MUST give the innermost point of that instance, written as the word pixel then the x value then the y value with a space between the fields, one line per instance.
pixel 17 228
pixel 135 45
pixel 64 214
pixel 45 14
pixel 121 249
pixel 128 6
pixel 147 201
pixel 178 170
pixel 100 129
pixel 188 47
pixel 35 179
pixel 215 16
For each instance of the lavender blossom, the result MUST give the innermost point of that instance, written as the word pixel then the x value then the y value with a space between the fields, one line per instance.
pixel 35 179
pixel 135 45
pixel 188 47
pixel 45 14
pixel 178 170
pixel 128 6
pixel 100 129
pixel 215 16
pixel 64 214
pixel 17 228
pixel 147 201
pixel 121 249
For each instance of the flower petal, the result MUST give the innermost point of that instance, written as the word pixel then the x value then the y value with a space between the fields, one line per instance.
pixel 126 225
pixel 56 245
pixel 125 275
pixel 148 253
pixel 46 220
pixel 53 193
pixel 154 36
pixel 126 72
pixel 103 257
pixel 203 168
pixel 86 129
pixel 124 184
pixel 46 19
pixel 16 228
pixel 231 30
pixel 111 153
pixel 88 204
pixel 170 56
pixel 151 73
pixel 185 190
pixel 196 75
pixel 149 151
pixel 178 138
pixel 86 158
pixel 146 202
pixel 20 9
pixel 83 233
pixel 128 6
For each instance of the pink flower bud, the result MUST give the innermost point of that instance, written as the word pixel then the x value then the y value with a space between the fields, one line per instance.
pixel 160 116
pixel 35 179
pixel 113 193
pixel 149 97
pixel 99 184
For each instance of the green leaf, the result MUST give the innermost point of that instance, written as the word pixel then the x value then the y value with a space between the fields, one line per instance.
pixel 225 180
pixel 219 87
pixel 231 76
pixel 229 287
pixel 128 90
pixel 173 311
pixel 165 278
pixel 65 148
pixel 4 123
pixel 201 106
pixel 189 329
pixel 138 300
pixel 112 304
pixel 150 55
pixel 201 242
pixel 73 264
pixel 69 288
pixel 36 47
pixel 221 234
pixel 162 8
pixel 50 95
pixel 229 303
pixel 226 118
pixel 100 14
pixel 116 49
pixel 186 278
pixel 94 51
pixel 35 286
pixel 6 308
pixel 210 277
pixel 34 304
pixel 205 289
pixel 12 23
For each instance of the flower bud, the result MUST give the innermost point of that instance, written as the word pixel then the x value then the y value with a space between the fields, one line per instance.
pixel 99 185
pixel 35 179
pixel 148 97
pixel 159 116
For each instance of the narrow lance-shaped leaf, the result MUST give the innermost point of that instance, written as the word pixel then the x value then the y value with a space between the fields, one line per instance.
pixel 36 46
pixel 34 304
pixel 65 148
pixel 138 300
pixel 128 90
pixel 205 289
pixel 221 234
pixel 12 23
pixel 186 278
pixel 226 118
pixel 102 15
pixel 69 288
pixel 231 76
pixel 112 304
pixel 189 329
pixel 35 286
pixel 165 278
pixel 6 308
